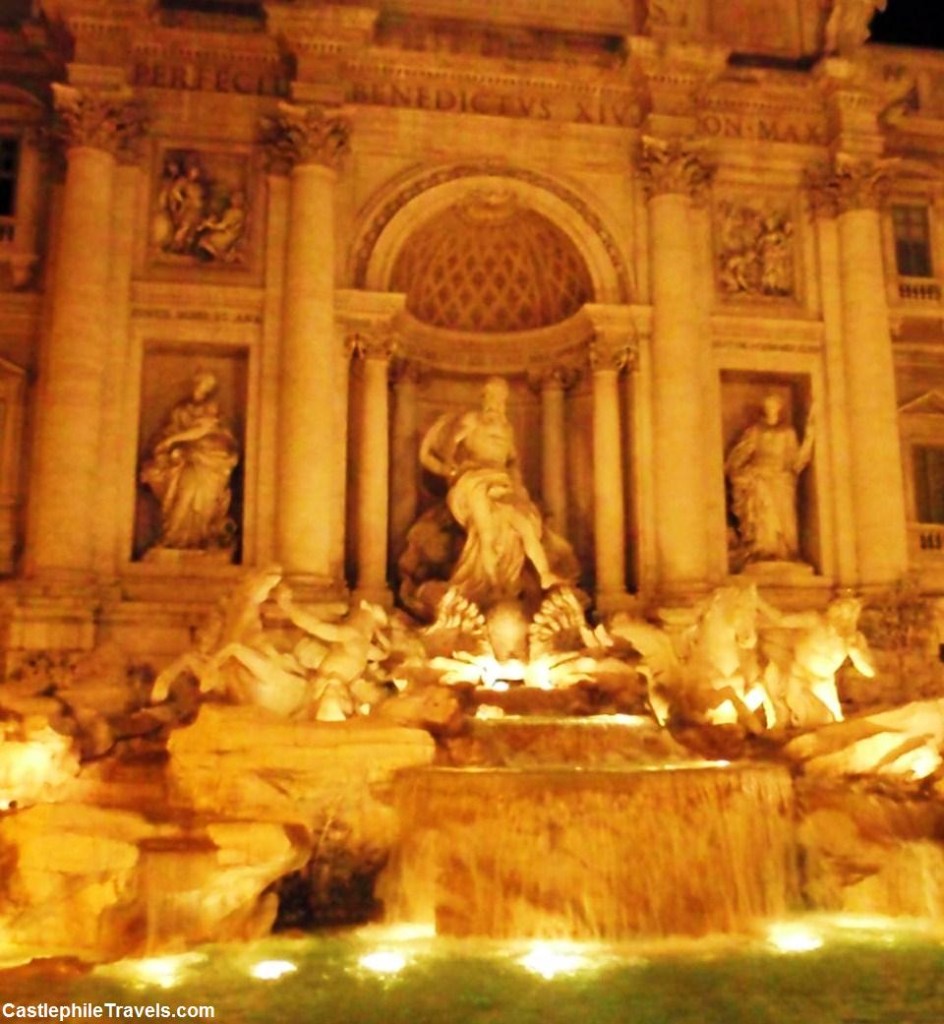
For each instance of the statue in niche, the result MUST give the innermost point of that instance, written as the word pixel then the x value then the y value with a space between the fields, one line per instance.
pixel 475 453
pixel 188 470
pixel 755 251
pixel 763 467
pixel 199 213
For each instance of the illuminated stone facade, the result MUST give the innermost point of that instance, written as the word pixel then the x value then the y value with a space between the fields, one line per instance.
pixel 647 217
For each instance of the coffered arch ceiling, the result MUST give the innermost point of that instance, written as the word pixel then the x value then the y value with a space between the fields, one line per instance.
pixel 487 263
pixel 529 246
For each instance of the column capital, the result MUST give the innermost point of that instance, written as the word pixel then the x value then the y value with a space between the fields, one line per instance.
pixel 852 183
pixel 614 343
pixel 612 352
pixel 372 341
pixel 554 376
pixel 305 134
pixel 673 166
pixel 106 119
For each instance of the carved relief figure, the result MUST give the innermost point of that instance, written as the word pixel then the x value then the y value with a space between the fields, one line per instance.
pixel 755 250
pixel 189 469
pixel 475 453
pixel 763 467
pixel 200 207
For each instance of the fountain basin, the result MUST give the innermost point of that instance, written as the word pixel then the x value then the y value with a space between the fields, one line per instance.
pixel 563 853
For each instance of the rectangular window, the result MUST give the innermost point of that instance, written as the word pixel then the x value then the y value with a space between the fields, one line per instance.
pixel 929 483
pixel 912 240
pixel 9 158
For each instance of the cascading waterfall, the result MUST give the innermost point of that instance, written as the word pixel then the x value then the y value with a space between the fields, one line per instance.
pixel 561 852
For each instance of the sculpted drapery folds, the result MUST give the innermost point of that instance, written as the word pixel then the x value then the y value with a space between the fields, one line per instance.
pixel 189 469
pixel 475 452
pixel 763 467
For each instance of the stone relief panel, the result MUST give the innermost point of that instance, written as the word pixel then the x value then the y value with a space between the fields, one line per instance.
pixel 755 249
pixel 200 209
pixel 769 437
pixel 191 446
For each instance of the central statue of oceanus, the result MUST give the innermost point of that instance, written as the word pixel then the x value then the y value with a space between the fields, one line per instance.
pixel 505 539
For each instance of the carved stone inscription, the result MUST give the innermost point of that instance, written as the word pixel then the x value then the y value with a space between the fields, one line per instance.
pixel 603 107
pixel 781 127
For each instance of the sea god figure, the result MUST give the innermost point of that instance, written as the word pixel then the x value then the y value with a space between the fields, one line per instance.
pixel 189 471
pixel 475 452
pixel 762 468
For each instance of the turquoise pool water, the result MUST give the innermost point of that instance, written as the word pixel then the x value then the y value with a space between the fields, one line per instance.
pixel 814 972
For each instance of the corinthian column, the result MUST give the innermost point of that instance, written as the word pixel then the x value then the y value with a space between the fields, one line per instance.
pixel 309 142
pixel 94 126
pixel 405 444
pixel 375 348
pixel 673 175
pixel 552 382
pixel 876 477
pixel 609 353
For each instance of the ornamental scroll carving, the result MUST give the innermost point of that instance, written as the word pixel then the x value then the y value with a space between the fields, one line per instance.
pixel 755 249
pixel 378 341
pixel 100 119
pixel 305 135
pixel 612 352
pixel 851 184
pixel 673 166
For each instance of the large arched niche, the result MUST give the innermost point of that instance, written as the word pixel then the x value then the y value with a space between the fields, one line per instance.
pixel 406 208
pixel 422 221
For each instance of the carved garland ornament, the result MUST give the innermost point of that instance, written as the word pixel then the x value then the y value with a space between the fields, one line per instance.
pixel 305 135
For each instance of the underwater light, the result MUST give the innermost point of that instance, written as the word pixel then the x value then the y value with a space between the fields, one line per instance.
pixel 549 962
pixel 164 971
pixel 383 961
pixel 271 970
pixel 794 938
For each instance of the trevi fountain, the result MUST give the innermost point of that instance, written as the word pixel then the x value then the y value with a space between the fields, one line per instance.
pixel 470 513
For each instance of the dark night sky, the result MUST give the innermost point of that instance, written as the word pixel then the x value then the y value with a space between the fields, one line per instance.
pixel 911 23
